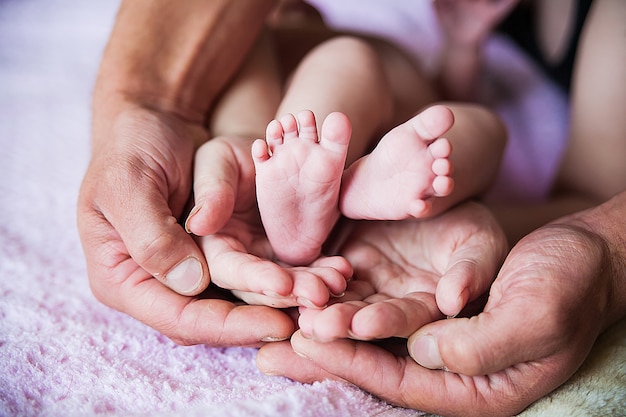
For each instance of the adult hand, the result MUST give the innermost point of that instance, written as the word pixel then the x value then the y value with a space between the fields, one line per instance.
pixel 239 255
pixel 557 290
pixel 135 189
pixel 410 272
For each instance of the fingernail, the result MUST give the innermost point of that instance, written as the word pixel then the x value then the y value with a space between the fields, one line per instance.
pixel 425 351
pixel 461 302
pixel 306 335
pixel 305 302
pixel 302 355
pixel 185 277
pixel 270 372
pixel 192 213
pixel 273 339
pixel 353 335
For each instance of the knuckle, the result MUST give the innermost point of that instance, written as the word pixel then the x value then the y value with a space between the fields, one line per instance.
pixel 464 357
pixel 151 251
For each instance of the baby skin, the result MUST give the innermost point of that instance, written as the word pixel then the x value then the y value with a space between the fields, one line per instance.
pixel 298 178
pixel 301 184
pixel 408 168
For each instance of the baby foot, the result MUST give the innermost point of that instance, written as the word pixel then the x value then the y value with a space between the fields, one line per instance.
pixel 298 178
pixel 407 169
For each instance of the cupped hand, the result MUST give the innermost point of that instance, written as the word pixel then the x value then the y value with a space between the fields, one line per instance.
pixel 135 189
pixel 239 255
pixel 410 273
pixel 546 308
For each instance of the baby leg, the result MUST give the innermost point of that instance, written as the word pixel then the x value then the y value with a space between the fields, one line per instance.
pixel 298 177
pixel 408 168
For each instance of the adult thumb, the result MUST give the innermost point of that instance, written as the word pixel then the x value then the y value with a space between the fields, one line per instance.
pixel 158 243
pixel 489 342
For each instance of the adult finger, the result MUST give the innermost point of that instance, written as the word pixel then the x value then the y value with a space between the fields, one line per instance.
pixel 400 380
pixel 333 322
pixel 212 321
pixel 480 247
pixel 378 317
pixel 535 310
pixel 308 290
pixel 470 273
pixel 336 263
pixel 129 216
pixel 232 267
pixel 399 317
pixel 119 282
pixel 223 176
pixel 279 359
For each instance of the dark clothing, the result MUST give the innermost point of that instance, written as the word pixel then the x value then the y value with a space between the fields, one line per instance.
pixel 519 26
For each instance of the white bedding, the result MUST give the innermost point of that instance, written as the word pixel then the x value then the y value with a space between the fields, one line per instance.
pixel 62 353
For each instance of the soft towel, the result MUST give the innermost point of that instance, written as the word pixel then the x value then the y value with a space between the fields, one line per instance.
pixel 62 353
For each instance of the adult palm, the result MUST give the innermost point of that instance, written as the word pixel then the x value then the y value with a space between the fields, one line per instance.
pixel 411 272
pixel 135 190
pixel 551 299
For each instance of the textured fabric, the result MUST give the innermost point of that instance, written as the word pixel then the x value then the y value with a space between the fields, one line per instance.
pixel 62 353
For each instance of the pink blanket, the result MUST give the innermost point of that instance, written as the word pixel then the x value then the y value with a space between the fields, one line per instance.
pixel 62 353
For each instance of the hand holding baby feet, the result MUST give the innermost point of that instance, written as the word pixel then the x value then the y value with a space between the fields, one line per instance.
pixel 239 260
pixel 298 177
pixel 314 286
pixel 410 273
pixel 239 256
pixel 408 168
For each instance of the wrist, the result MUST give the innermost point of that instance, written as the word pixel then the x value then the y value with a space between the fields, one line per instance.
pixel 606 223
pixel 114 113
pixel 118 93
pixel 177 57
